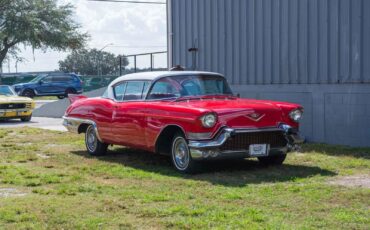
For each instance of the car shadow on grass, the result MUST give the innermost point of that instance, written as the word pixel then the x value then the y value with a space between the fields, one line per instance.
pixel 235 173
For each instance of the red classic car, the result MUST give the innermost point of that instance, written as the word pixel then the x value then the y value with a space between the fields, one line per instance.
pixel 190 116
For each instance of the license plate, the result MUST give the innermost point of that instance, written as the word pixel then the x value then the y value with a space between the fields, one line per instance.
pixel 258 150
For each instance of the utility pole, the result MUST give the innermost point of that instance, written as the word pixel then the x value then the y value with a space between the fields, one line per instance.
pixel 8 65
pixel 1 73
pixel 120 65
pixel 100 56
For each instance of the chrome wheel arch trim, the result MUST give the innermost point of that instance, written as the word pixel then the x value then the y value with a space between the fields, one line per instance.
pixel 165 127
pixel 73 123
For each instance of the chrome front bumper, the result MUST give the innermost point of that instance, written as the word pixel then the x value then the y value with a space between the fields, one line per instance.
pixel 211 149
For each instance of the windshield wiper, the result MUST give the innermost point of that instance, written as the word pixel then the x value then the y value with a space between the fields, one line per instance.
pixel 186 98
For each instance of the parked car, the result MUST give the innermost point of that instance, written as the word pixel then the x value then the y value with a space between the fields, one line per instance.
pixel 14 107
pixel 59 85
pixel 190 116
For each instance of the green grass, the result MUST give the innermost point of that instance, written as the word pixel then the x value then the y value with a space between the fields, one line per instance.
pixel 58 186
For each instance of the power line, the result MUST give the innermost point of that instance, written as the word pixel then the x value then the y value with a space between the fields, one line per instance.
pixel 136 47
pixel 123 1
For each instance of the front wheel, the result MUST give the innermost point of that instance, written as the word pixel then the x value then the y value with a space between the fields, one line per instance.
pixel 181 157
pixel 272 160
pixel 26 119
pixel 28 93
pixel 93 145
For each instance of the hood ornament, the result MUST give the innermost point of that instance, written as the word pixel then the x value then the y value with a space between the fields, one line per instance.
pixel 255 116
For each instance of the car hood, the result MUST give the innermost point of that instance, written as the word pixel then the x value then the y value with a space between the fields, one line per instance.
pixel 242 113
pixel 14 99
pixel 22 84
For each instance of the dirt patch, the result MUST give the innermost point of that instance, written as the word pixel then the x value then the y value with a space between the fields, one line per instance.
pixel 358 181
pixel 10 192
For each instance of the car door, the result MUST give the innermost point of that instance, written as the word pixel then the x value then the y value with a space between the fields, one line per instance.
pixel 44 85
pixel 128 118
pixel 60 83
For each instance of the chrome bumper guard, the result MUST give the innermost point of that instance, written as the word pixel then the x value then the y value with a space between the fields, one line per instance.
pixel 210 149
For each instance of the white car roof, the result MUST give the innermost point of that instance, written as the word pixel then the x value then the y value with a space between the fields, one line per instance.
pixel 151 76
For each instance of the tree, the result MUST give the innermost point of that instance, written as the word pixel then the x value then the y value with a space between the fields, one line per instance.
pixel 92 62
pixel 40 24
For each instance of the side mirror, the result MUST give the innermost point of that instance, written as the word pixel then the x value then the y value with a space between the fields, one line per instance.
pixel 41 82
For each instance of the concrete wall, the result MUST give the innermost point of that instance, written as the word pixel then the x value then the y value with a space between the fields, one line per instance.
pixel 314 52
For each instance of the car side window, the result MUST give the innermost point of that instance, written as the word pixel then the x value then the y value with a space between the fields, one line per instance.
pixel 62 78
pixel 47 79
pixel 134 91
pixel 119 91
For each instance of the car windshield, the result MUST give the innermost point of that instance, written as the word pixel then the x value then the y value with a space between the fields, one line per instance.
pixel 38 78
pixel 6 91
pixel 189 86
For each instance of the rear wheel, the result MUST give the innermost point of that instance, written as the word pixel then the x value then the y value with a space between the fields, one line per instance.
pixel 68 91
pixel 272 160
pixel 93 145
pixel 28 93
pixel 26 119
pixel 181 157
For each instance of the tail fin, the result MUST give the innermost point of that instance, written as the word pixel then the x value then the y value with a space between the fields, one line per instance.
pixel 74 97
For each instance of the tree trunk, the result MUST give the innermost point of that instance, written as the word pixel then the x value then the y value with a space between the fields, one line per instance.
pixel 2 57
pixel 3 53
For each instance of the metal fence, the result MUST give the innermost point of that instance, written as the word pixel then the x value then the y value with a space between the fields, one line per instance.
pixel 155 61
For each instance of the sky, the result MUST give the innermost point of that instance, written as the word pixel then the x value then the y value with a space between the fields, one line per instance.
pixel 127 28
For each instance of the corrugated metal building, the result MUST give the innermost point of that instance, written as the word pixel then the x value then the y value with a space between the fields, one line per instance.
pixel 314 52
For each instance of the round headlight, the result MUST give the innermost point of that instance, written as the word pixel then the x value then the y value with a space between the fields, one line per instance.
pixel 209 120
pixel 296 115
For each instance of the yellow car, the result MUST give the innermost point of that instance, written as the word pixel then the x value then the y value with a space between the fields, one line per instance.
pixel 14 107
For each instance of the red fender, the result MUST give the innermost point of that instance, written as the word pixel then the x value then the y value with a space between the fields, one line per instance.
pixel 74 97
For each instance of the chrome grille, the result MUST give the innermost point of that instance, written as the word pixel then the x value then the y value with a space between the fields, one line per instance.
pixel 13 106
pixel 28 105
pixel 242 141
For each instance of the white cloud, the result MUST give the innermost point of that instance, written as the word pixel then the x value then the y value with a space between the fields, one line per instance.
pixel 132 28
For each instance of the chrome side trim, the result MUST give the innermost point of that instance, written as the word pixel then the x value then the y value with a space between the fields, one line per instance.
pixel 72 124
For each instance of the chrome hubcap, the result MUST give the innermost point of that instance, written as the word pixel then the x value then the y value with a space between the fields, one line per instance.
pixel 181 153
pixel 91 140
